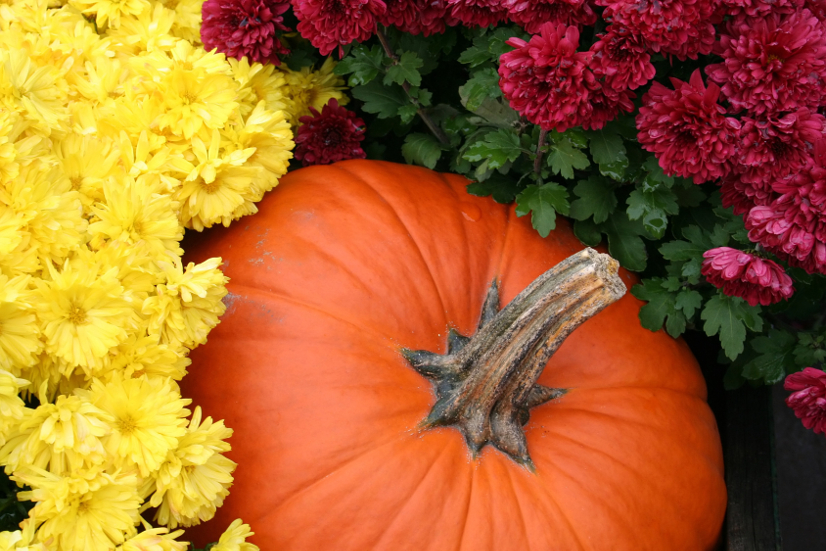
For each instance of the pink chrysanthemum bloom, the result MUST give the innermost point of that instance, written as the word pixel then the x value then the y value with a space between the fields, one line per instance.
pixel 758 8
pixel 424 17
pixel 606 104
pixel 683 28
pixel 532 14
pixel 244 28
pixel 547 80
pixel 742 197
pixel 775 63
pixel 686 129
pixel 333 135
pixel 793 226
pixel 774 147
pixel 477 13
pixel 331 24
pixel 621 59
pixel 740 274
pixel 809 398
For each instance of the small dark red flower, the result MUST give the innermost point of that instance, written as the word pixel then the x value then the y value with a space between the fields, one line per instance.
pixel 477 13
pixel 771 64
pixel 244 28
pixel 532 14
pixel 809 398
pixel 606 104
pixel 424 17
pixel 547 80
pixel 331 24
pixel 333 135
pixel 687 130
pixel 740 274
pixel 621 59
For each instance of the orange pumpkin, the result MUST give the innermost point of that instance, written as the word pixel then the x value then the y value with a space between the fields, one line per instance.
pixel 352 273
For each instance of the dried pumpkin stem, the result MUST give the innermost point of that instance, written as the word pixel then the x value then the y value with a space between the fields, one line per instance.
pixel 486 384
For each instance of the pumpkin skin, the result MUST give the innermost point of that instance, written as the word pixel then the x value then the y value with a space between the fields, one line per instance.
pixel 343 266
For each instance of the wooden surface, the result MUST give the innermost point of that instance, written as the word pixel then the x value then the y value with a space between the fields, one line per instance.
pixel 752 519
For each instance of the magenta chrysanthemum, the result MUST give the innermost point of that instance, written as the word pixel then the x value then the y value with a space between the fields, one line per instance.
pixel 773 148
pixel 333 135
pixel 621 59
pixel 477 13
pixel 331 24
pixel 758 8
pixel 808 399
pixel 547 80
pixel 683 28
pixel 532 14
pixel 686 129
pixel 606 104
pixel 740 274
pixel 772 64
pixel 244 28
pixel 424 17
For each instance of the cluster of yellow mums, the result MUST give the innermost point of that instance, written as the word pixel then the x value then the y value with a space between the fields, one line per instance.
pixel 117 131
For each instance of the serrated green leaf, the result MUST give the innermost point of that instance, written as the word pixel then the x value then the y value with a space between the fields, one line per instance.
pixel 475 56
pixel 680 250
pixel 364 63
pixel 624 241
pixel 658 303
pixel 587 232
pixel 543 202
pixel 497 45
pixel 608 151
pixel 655 176
pixel 483 84
pixel 564 158
pixel 775 357
pixel 407 112
pixel 675 324
pixel 688 301
pixel 596 199
pixel 384 101
pixel 498 147
pixel 653 207
pixel 405 69
pixel 421 149
pixel 728 317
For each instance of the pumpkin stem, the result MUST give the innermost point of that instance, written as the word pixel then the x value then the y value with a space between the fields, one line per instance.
pixel 486 384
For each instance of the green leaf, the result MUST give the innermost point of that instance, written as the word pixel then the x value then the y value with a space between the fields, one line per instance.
pixel 502 188
pixel 608 151
pixel 564 157
pixel 483 84
pixel 405 69
pixel 596 199
pixel 587 232
pixel 775 357
pixel 655 176
pixel 475 56
pixel 680 250
pixel 729 317
pixel 384 101
pixel 688 301
pixel 624 241
pixel 421 149
pixel 659 301
pixel 653 207
pixel 497 147
pixel 364 63
pixel 543 201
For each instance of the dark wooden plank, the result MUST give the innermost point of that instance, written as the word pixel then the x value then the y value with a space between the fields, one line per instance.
pixel 751 519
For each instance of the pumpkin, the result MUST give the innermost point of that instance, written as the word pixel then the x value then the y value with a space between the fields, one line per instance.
pixel 345 364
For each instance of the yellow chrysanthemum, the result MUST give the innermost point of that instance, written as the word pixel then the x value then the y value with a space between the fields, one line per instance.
pixel 87 162
pixel 216 186
pixel 154 539
pixel 83 314
pixel 188 305
pixel 62 438
pixel 101 79
pixel 196 477
pixel 21 540
pixel 149 419
pixel 309 88
pixel 135 216
pixel 259 83
pixel 234 538
pixel 188 20
pixel 150 31
pixel 12 408
pixel 39 92
pixel 111 11
pixel 19 335
pixel 144 355
pixel 153 167
pixel 84 511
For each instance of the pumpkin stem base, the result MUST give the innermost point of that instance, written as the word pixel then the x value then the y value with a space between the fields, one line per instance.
pixel 486 384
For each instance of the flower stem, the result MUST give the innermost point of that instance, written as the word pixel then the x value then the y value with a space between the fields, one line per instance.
pixel 537 162
pixel 434 128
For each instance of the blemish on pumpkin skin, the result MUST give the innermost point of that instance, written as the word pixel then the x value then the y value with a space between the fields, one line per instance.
pixel 229 301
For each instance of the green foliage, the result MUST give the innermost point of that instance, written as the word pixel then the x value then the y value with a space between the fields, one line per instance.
pixel 543 202
pixel 421 149
pixel 729 317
